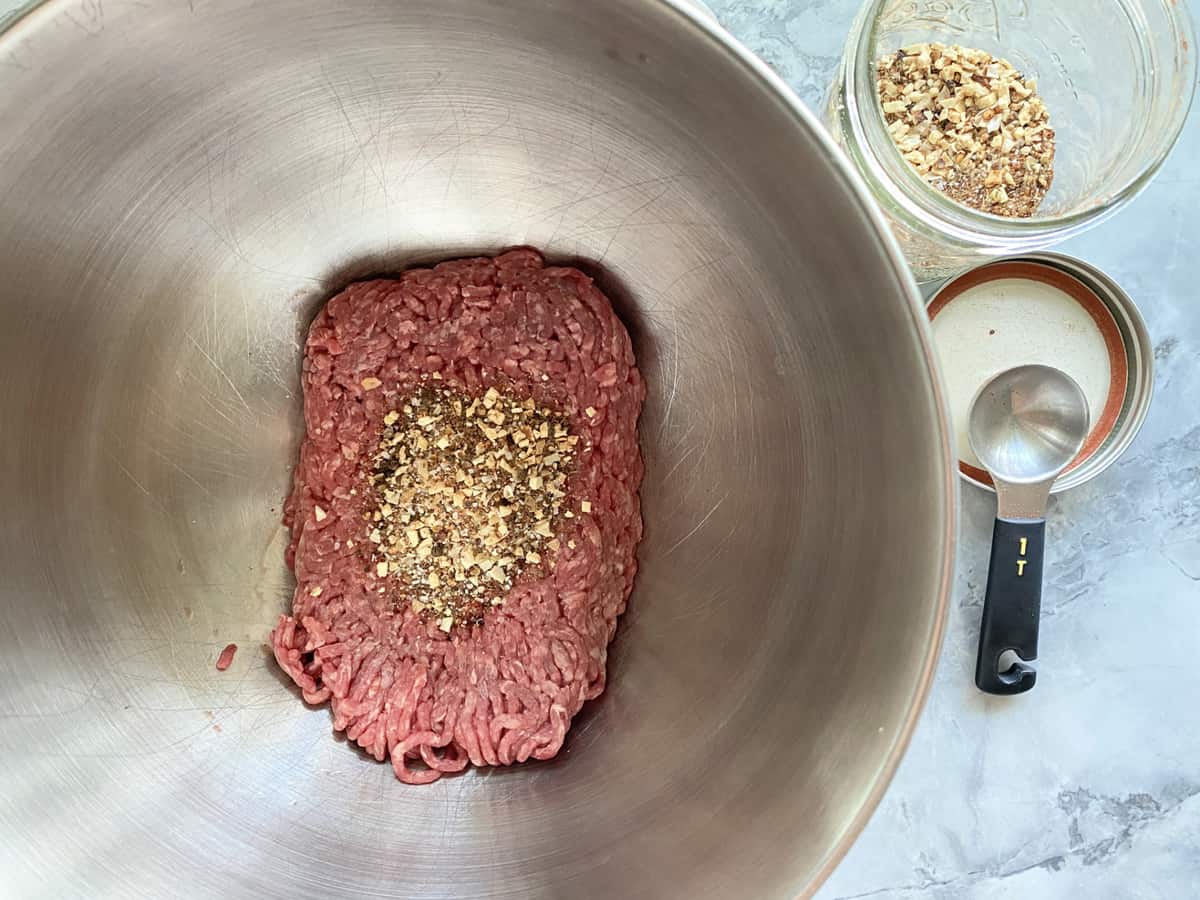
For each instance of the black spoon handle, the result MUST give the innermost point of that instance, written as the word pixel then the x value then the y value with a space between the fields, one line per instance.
pixel 1012 606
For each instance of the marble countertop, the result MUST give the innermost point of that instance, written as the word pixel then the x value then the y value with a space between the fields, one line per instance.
pixel 1090 785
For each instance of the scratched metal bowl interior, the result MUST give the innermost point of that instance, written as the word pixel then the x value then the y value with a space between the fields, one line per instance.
pixel 183 184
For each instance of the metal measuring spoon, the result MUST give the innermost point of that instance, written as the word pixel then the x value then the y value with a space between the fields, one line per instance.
pixel 1026 425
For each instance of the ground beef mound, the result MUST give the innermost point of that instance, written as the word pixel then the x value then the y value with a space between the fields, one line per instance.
pixel 506 690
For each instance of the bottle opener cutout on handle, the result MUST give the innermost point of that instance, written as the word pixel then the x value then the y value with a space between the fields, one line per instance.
pixel 1026 426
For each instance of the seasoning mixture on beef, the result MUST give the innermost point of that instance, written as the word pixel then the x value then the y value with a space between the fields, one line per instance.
pixel 464 514
pixel 467 494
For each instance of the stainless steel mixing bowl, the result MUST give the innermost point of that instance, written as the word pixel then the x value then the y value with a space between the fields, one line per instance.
pixel 181 185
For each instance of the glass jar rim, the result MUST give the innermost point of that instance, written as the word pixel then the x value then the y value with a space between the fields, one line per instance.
pixel 923 201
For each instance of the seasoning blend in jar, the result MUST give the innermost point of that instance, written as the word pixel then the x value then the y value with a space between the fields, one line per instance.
pixel 970 125
pixel 1088 136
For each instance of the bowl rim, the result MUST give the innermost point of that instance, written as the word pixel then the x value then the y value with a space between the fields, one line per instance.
pixel 18 12
pixel 858 190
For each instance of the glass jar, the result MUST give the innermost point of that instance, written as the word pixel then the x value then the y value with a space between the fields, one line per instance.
pixel 1117 78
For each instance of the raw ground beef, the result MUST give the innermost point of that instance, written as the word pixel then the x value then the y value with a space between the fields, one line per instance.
pixel 504 691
